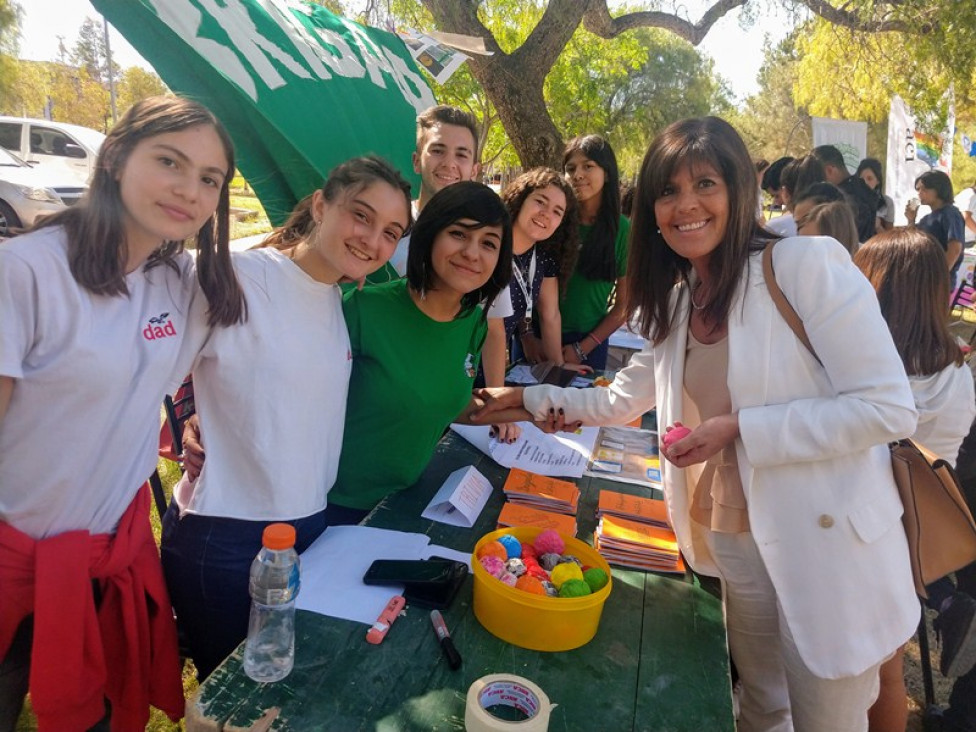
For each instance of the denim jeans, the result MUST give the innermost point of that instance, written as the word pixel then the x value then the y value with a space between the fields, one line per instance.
pixel 207 564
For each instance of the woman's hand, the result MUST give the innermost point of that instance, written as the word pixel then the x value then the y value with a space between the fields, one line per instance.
pixel 506 432
pixel 570 356
pixel 494 400
pixel 555 421
pixel 532 347
pixel 579 368
pixel 193 453
pixel 704 441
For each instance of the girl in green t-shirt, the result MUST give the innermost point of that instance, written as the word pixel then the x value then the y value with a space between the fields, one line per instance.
pixel 588 319
pixel 416 344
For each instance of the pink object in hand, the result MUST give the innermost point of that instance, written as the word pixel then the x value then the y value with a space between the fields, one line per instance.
pixel 673 435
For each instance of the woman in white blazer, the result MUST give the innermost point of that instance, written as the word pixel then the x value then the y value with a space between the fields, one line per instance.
pixel 786 492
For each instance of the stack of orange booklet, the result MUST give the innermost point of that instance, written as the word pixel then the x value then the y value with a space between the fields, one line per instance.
pixel 634 532
pixel 537 500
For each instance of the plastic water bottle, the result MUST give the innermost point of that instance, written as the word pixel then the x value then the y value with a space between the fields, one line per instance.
pixel 269 652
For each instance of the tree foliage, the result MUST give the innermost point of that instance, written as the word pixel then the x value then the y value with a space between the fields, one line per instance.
pixel 10 13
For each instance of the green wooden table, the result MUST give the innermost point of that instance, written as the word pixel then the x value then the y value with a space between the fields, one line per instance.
pixel 658 662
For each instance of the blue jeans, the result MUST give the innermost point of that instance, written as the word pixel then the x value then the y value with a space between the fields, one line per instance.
pixel 207 564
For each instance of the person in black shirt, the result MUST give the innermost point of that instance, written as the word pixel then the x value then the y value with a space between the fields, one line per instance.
pixel 864 201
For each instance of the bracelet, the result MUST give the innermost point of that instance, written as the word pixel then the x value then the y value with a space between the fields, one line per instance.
pixel 593 338
pixel 579 351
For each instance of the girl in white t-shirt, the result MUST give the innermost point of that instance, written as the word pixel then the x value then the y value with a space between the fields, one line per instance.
pixel 93 308
pixel 907 268
pixel 271 400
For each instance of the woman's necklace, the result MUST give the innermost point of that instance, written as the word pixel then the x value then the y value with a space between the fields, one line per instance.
pixel 694 304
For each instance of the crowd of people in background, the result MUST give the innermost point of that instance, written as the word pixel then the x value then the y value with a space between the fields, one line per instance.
pixel 386 318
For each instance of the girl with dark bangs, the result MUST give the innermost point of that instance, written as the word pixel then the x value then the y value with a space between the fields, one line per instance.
pixel 782 487
pixel 93 310
pixel 600 276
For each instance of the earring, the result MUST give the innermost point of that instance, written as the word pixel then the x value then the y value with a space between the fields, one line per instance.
pixel 658 230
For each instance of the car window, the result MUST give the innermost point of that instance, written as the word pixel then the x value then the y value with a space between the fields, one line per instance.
pixel 48 141
pixel 9 160
pixel 10 135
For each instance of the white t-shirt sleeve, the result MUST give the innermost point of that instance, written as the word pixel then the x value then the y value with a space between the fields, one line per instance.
pixel 399 259
pixel 18 324
pixel 502 306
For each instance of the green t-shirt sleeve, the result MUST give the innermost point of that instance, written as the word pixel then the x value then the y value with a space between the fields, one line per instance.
pixel 350 310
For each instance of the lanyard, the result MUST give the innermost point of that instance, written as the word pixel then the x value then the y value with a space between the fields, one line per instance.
pixel 526 287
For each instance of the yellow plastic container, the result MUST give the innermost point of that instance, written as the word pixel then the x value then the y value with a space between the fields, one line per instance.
pixel 532 621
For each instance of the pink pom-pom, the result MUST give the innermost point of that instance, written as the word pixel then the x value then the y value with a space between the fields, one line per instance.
pixel 674 434
pixel 508 578
pixel 493 565
pixel 549 542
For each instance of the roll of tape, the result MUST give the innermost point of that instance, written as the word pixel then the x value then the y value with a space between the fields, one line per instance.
pixel 502 690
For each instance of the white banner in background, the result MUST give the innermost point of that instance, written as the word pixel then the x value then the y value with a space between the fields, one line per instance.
pixel 851 138
pixel 912 152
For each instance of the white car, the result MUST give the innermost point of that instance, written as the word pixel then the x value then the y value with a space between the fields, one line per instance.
pixel 27 194
pixel 68 151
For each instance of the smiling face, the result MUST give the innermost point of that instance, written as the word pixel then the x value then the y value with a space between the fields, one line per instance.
pixel 692 212
pixel 170 186
pixel 446 156
pixel 585 176
pixel 357 233
pixel 541 214
pixel 463 258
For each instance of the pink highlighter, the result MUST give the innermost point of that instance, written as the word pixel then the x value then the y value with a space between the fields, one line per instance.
pixel 381 627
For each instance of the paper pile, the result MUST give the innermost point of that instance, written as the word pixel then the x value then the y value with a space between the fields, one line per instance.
pixel 536 500
pixel 633 532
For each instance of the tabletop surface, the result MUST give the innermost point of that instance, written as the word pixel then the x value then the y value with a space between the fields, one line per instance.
pixel 658 662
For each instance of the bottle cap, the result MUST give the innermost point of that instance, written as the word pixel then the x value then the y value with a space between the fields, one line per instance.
pixel 278 536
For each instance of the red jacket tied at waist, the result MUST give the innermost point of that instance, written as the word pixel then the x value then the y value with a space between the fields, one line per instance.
pixel 125 650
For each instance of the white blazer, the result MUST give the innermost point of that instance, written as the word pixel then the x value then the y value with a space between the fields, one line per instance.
pixel 822 503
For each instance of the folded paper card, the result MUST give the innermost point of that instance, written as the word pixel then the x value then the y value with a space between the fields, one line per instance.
pixel 460 500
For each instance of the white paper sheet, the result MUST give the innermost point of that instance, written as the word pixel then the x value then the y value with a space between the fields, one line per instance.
pixel 333 569
pixel 460 500
pixel 561 455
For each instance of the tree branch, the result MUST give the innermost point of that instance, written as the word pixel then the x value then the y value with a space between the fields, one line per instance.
pixel 854 20
pixel 597 20
pixel 462 17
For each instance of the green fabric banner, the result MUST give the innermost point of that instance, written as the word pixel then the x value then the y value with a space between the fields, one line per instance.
pixel 298 88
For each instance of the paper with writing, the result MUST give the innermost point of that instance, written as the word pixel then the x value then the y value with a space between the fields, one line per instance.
pixel 460 500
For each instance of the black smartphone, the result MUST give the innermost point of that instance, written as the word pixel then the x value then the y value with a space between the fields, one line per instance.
pixel 415 572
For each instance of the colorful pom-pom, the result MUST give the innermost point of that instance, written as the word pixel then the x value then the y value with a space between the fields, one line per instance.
pixel 570 558
pixel 529 552
pixel 549 542
pixel 538 572
pixel 574 588
pixel 550 588
pixel 530 584
pixel 508 578
pixel 512 545
pixel 596 578
pixel 515 566
pixel 493 565
pixel 549 561
pixel 493 549
pixel 565 572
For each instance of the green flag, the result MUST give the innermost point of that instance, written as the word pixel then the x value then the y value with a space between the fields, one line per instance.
pixel 298 88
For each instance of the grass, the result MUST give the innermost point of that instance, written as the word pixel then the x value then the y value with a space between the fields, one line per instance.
pixel 158 721
pixel 249 218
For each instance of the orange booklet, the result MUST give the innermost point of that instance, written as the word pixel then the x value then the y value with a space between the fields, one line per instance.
pixel 513 514
pixel 636 535
pixel 638 508
pixel 541 491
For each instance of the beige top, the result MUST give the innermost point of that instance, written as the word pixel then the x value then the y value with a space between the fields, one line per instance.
pixel 718 500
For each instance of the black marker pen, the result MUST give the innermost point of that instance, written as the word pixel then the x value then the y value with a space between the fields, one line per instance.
pixel 447 645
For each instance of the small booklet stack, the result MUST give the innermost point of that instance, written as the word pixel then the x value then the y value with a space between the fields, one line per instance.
pixel 538 500
pixel 633 532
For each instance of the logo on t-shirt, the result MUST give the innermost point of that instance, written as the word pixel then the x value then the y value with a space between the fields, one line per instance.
pixel 469 366
pixel 159 327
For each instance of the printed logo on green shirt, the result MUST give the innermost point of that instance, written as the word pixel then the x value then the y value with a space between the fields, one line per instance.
pixel 469 365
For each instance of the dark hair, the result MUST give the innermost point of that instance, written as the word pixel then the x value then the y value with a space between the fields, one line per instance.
pixel 563 244
pixel 771 176
pixel 834 219
pixel 446 115
pixel 907 268
pixel 830 155
pixel 801 173
pixel 463 200
pixel 626 199
pixel 936 180
pixel 654 268
pixel 822 192
pixel 95 227
pixel 874 165
pixel 350 177
pixel 598 252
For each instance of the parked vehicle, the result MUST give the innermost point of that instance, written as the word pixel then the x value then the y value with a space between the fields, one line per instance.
pixel 57 147
pixel 27 193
